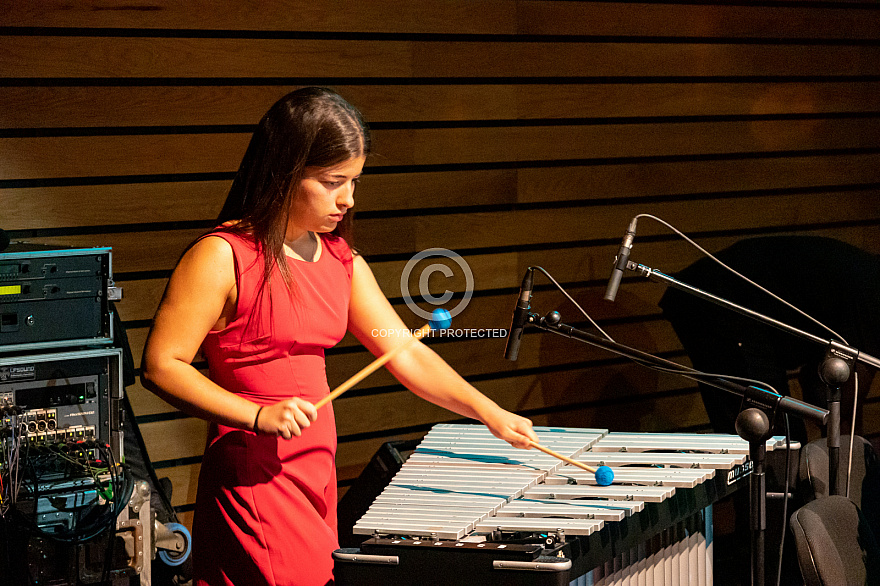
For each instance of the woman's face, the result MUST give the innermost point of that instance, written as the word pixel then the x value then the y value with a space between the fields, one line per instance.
pixel 323 196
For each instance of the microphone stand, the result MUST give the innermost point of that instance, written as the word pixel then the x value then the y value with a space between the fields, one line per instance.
pixel 753 396
pixel 753 424
pixel 834 370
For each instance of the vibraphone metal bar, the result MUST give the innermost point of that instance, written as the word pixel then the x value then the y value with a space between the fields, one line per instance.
pixel 469 502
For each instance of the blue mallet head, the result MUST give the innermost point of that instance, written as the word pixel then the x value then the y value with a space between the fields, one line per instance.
pixel 604 476
pixel 440 319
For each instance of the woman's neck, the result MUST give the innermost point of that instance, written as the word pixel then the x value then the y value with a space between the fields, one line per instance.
pixel 304 247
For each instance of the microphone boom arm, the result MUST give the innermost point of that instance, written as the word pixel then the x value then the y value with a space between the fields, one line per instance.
pixel 754 396
pixel 834 370
pixel 838 348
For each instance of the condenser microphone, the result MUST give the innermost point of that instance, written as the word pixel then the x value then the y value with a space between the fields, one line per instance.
pixel 520 317
pixel 620 261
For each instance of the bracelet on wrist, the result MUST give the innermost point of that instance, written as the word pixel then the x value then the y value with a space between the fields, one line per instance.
pixel 255 429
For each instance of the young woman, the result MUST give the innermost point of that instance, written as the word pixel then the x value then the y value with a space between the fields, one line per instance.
pixel 263 296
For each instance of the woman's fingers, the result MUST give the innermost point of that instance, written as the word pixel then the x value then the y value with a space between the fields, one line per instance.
pixel 288 419
pixel 512 428
pixel 306 408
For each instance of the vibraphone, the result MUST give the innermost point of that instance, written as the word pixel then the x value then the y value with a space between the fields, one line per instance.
pixel 467 508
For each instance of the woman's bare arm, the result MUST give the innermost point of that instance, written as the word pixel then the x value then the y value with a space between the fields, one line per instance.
pixel 421 369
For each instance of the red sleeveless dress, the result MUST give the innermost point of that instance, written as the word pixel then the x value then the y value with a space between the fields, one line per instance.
pixel 266 507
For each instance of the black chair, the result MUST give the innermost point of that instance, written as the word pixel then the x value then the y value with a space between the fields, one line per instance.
pixel 835 546
pixel 864 484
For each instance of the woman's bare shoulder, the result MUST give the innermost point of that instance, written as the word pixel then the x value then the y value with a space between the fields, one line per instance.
pixel 211 259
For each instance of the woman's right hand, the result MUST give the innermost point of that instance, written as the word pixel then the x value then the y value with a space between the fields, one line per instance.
pixel 286 418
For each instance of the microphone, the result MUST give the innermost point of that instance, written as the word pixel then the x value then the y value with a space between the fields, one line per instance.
pixel 621 260
pixel 4 240
pixel 520 317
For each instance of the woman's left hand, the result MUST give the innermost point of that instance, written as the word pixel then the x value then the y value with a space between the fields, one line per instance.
pixel 512 428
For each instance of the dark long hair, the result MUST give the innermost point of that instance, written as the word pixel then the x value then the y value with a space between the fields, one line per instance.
pixel 309 127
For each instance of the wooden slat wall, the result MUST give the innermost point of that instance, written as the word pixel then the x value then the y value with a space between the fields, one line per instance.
pixel 513 132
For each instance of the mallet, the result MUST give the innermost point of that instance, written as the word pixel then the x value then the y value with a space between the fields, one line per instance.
pixel 604 475
pixel 440 321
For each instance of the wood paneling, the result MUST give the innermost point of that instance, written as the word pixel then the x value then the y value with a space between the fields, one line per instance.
pixel 213 105
pixel 482 17
pixel 184 480
pixel 513 132
pixel 110 156
pixel 158 57
pixel 159 250
pixel 440 16
pixel 164 202
pixel 694 20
